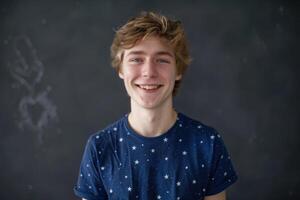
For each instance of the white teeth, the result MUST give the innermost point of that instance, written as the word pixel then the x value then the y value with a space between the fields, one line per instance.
pixel 149 87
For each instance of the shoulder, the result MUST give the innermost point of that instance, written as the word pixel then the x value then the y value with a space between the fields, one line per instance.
pixel 197 129
pixel 107 135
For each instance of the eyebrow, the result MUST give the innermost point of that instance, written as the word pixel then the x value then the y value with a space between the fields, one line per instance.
pixel 144 53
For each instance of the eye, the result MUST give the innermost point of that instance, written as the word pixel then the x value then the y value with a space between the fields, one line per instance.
pixel 163 61
pixel 135 60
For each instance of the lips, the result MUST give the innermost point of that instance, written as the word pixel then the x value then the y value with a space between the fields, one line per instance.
pixel 149 87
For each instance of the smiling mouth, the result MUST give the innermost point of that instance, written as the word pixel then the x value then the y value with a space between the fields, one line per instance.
pixel 150 87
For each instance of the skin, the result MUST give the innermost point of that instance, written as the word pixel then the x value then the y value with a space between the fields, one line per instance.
pixel 152 62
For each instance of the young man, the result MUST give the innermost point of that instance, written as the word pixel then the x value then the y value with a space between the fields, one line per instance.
pixel 153 152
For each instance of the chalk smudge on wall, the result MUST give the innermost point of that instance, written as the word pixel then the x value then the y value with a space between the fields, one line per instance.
pixel 36 109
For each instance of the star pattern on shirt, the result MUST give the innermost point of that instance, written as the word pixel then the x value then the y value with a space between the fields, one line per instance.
pixel 140 155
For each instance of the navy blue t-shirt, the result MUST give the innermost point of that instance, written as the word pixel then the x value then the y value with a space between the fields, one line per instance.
pixel 189 161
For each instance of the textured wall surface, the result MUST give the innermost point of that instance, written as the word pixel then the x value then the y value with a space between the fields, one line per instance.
pixel 57 88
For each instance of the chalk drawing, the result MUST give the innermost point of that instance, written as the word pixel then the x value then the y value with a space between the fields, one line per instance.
pixel 27 72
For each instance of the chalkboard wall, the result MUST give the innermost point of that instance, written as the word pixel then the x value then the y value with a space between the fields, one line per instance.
pixel 57 87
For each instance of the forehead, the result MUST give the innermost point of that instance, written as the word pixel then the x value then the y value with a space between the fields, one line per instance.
pixel 150 46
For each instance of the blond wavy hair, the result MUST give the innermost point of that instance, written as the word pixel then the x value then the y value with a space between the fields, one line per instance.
pixel 152 24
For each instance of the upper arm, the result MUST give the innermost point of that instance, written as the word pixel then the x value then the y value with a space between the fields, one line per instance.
pixel 219 196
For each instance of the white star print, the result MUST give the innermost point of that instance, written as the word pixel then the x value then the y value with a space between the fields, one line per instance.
pixel 97 137
pixel 194 181
pixel 180 140
pixel 222 156
pixel 178 183
pixel 178 198
pixel 199 126
pixel 165 139
pixel 184 153
pixel 90 187
pixel 166 158
pixel 81 175
pixel 136 162
pixel 115 129
pixel 89 174
pixel 99 152
pixel 180 125
pixel 225 173
pixel 201 142
pixel 133 147
pixel 102 168
pixel 203 189
pixel 202 165
pixel 121 139
pixel 158 197
pixel 152 150
pixel 87 165
pixel 129 189
pixel 166 176
pixel 186 167
pixel 212 137
pixel 126 177
pixel 110 191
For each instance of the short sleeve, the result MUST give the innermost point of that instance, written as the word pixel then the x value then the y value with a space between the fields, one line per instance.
pixel 222 173
pixel 89 184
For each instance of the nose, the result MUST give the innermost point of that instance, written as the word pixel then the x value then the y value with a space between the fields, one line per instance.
pixel 149 69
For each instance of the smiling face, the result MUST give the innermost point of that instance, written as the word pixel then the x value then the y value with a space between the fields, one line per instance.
pixel 149 73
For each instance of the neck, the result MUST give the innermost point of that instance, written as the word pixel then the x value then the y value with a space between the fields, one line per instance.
pixel 152 122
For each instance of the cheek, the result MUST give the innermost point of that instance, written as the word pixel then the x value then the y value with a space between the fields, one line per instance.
pixel 129 75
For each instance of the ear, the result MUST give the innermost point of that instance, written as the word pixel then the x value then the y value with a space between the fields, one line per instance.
pixel 121 74
pixel 178 77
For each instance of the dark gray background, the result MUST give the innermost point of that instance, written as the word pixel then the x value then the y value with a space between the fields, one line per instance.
pixel 57 88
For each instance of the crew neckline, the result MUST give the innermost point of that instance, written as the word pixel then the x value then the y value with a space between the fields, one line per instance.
pixel 167 133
